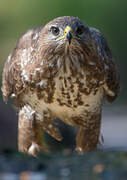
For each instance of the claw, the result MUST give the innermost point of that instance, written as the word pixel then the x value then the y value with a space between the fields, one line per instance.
pixel 54 132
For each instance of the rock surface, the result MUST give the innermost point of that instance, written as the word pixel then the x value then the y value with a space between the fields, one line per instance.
pixel 99 165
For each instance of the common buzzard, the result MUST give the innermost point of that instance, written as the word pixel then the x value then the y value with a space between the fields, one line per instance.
pixel 63 70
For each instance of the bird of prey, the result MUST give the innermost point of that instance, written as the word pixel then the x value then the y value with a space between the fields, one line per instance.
pixel 63 70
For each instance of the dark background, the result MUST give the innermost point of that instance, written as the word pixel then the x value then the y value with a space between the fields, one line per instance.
pixel 109 16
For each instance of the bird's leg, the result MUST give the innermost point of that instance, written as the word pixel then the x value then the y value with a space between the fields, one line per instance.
pixel 46 123
pixel 30 134
pixel 31 127
pixel 88 135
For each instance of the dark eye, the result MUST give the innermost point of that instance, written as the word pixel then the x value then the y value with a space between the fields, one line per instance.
pixel 80 30
pixel 55 30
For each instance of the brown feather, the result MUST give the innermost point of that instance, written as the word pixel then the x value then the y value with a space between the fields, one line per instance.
pixel 50 78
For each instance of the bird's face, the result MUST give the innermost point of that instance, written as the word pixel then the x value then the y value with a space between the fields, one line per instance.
pixel 66 33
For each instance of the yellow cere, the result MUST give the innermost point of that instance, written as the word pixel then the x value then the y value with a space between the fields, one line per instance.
pixel 68 28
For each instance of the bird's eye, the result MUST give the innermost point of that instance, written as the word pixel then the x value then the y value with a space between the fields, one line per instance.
pixel 55 30
pixel 80 30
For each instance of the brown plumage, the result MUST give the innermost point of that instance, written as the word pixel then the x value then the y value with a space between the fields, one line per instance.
pixel 62 70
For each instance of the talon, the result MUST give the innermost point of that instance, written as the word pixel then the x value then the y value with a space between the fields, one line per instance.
pixel 79 150
pixel 54 132
pixel 109 92
pixel 34 149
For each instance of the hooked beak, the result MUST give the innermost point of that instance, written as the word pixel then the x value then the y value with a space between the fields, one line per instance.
pixel 68 34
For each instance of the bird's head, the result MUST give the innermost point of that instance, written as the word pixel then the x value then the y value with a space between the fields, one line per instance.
pixel 65 33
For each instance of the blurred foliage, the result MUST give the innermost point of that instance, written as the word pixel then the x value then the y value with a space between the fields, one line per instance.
pixel 16 16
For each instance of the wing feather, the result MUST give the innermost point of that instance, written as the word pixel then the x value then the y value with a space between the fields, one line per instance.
pixel 111 85
pixel 13 72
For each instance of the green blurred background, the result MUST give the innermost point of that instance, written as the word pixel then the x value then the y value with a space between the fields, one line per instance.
pixel 16 16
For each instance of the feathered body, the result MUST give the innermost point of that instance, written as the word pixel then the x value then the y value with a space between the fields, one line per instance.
pixel 51 78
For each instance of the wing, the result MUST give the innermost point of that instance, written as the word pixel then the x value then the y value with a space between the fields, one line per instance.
pixel 111 85
pixel 15 75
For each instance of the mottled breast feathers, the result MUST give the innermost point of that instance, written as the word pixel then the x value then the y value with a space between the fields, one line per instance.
pixel 28 64
pixel 63 70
